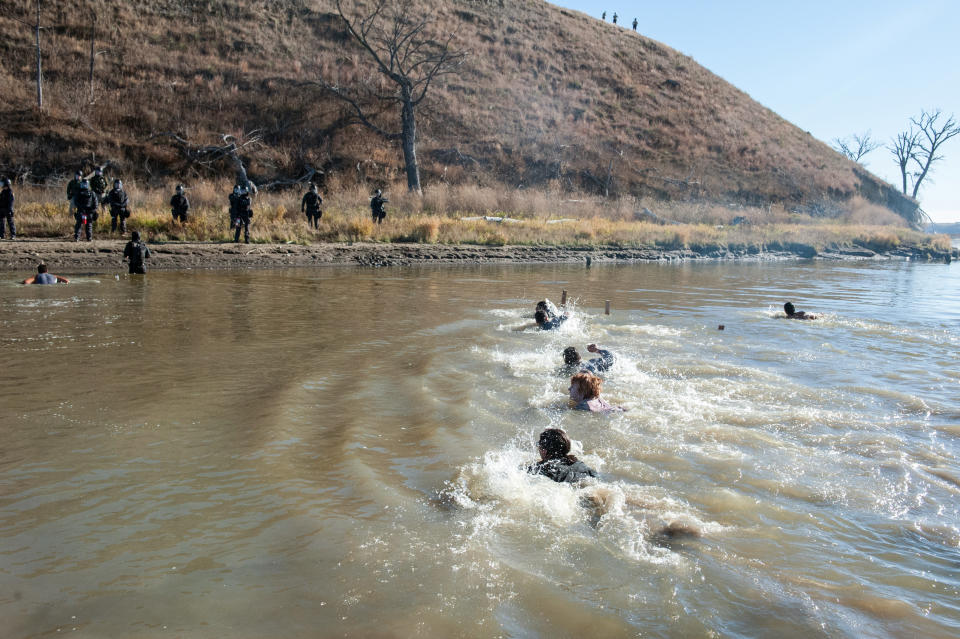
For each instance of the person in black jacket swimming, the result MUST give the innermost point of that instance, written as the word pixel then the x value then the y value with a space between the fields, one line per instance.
pixel 310 204
pixel 573 363
pixel 136 251
pixel 179 205
pixel 556 462
pixel 6 209
pixel 547 323
pixel 119 211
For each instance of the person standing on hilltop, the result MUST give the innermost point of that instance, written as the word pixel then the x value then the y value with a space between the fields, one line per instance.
pixel 311 205
pixel 376 206
pixel 73 188
pixel 244 212
pixel 179 205
pixel 614 17
pixel 6 209
pixel 98 184
pixel 603 16
pixel 635 24
pixel 119 210
pixel 137 252
pixel 85 205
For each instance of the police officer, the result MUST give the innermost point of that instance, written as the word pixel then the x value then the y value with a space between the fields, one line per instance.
pixel 179 205
pixel 6 209
pixel 635 23
pixel 136 251
pixel 117 199
pixel 311 205
pixel 73 188
pixel 234 198
pixel 85 205
pixel 376 206
pixel 244 212
pixel 98 184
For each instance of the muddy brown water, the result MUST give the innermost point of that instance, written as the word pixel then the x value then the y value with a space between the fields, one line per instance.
pixel 340 452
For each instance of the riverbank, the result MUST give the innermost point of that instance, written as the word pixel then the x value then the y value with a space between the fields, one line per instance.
pixel 105 255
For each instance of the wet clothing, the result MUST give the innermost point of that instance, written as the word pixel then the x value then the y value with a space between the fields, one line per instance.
pixel 376 208
pixel 85 204
pixel 242 212
pixel 311 205
pixel 98 184
pixel 44 278
pixel 137 252
pixel 179 207
pixel 597 405
pixel 117 199
pixel 6 212
pixel 594 366
pixel 562 470
pixel 553 323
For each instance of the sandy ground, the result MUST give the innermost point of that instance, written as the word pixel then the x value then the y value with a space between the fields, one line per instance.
pixel 106 255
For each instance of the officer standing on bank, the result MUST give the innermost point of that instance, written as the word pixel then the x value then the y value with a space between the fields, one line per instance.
pixel 73 188
pixel 311 205
pixel 244 212
pixel 6 209
pixel 179 205
pixel 118 201
pixel 376 206
pixel 85 205
pixel 98 184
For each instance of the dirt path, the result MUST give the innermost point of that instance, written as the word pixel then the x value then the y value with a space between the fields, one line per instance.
pixel 105 255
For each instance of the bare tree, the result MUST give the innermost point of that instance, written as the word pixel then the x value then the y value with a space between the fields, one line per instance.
pixel 904 148
pixel 398 40
pixel 933 132
pixel 859 146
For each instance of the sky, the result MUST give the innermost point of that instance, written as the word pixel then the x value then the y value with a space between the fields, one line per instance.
pixel 832 68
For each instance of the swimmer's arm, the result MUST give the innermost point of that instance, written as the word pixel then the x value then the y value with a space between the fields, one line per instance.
pixel 61 280
pixel 30 280
pixel 524 327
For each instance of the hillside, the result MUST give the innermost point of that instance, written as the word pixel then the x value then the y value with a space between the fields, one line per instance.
pixel 548 97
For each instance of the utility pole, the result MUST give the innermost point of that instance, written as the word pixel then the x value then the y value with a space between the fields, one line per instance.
pixel 39 64
pixel 93 26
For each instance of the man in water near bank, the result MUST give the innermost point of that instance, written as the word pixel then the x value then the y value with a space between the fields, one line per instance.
pixel 585 391
pixel 137 252
pixel 793 313
pixel 572 363
pixel 43 277
pixel 556 462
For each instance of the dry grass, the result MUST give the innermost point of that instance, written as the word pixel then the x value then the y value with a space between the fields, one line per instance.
pixel 579 222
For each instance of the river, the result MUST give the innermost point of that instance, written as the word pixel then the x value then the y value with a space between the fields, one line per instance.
pixel 340 452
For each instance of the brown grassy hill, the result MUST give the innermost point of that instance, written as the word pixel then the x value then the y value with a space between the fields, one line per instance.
pixel 548 97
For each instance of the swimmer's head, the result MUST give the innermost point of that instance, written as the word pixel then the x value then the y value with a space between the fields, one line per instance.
pixel 543 306
pixel 571 356
pixel 554 444
pixel 41 268
pixel 789 309
pixel 540 317
pixel 585 386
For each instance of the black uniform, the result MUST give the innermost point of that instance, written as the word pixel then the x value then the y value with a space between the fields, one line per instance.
pixel 311 204
pixel 562 470
pixel 243 212
pixel 376 208
pixel 6 212
pixel 98 184
pixel 137 252
pixel 85 202
pixel 117 199
pixel 180 206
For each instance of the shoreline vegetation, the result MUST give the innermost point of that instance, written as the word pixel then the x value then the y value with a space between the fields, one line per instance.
pixel 456 224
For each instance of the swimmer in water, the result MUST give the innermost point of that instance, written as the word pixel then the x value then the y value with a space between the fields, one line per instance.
pixel 585 391
pixel 556 462
pixel 42 277
pixel 547 323
pixel 793 313
pixel 572 362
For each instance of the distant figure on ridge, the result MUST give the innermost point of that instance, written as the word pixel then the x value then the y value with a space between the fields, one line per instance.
pixel 42 277
pixel 310 204
pixel 376 206
pixel 179 205
pixel 573 363
pixel 137 252
pixel 85 204
pixel 614 17
pixel 119 209
pixel 634 24
pixel 556 462
pixel 6 209
pixel 585 391
pixel 603 16
pixel 793 313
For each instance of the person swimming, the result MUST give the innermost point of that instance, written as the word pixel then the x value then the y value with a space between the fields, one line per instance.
pixel 585 391
pixel 43 277
pixel 793 313
pixel 547 323
pixel 573 363
pixel 556 462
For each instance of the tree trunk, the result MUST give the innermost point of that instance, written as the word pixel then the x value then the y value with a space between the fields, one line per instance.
pixel 39 66
pixel 408 140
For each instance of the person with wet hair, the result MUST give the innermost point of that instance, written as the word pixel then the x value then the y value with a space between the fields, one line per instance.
pixel 556 462
pixel 793 313
pixel 43 277
pixel 585 391
pixel 573 363
pixel 547 323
